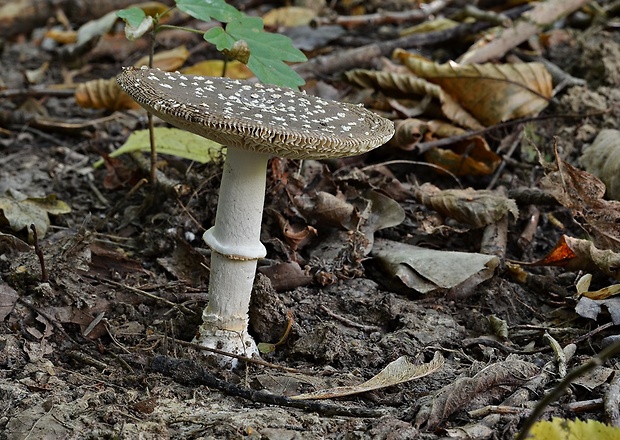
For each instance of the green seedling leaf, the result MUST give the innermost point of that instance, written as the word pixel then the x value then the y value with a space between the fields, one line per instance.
pixel 220 38
pixel 132 16
pixel 171 141
pixel 209 9
pixel 20 211
pixel 137 23
pixel 267 51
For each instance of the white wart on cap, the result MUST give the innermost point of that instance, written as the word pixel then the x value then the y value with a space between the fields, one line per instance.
pixel 257 117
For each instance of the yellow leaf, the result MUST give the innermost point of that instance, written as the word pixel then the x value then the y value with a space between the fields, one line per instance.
pixel 563 429
pixel 171 141
pixel 289 16
pixel 234 69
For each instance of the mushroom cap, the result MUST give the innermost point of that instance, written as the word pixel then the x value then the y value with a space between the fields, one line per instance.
pixel 257 117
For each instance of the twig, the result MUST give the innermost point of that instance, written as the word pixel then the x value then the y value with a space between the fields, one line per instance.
pixel 364 56
pixel 383 17
pixel 543 14
pixel 347 321
pixel 255 361
pixel 181 307
pixel 37 250
pixel 51 319
pixel 190 373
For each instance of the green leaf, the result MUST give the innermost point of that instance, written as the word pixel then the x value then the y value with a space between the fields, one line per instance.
pixel 219 38
pixel 132 16
pixel 171 141
pixel 209 9
pixel 264 44
pixel 267 50
pixel 275 72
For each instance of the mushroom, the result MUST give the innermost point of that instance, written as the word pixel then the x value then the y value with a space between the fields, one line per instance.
pixel 254 121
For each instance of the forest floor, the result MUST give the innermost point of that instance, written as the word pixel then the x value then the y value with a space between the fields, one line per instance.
pixel 87 347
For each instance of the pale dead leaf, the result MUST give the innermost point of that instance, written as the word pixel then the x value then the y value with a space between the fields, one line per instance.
pixel 602 159
pixel 20 211
pixel 396 372
pixel 8 299
pixel 428 270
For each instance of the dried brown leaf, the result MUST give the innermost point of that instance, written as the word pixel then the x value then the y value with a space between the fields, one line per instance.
pixel 583 193
pixel 507 374
pixel 577 254
pixel 407 85
pixel 492 93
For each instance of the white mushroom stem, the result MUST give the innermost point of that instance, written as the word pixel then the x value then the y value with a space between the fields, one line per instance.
pixel 236 248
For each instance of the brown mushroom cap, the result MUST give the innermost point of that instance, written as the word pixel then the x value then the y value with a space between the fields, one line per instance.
pixel 257 117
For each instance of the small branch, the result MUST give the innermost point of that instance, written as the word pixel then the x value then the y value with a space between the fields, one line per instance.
pixel 37 250
pixel 255 361
pixel 347 321
pixel 384 17
pixel 190 373
pixel 181 307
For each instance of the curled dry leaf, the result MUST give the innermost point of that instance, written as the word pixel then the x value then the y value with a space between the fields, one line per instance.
pixel 492 93
pixel 408 133
pixel 506 375
pixel 326 209
pixel 468 157
pixel 583 193
pixel 576 254
pixel 602 159
pixel 406 85
pixel 107 94
pixel 396 372
pixel 477 208
pixel 296 235
pixel 103 94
